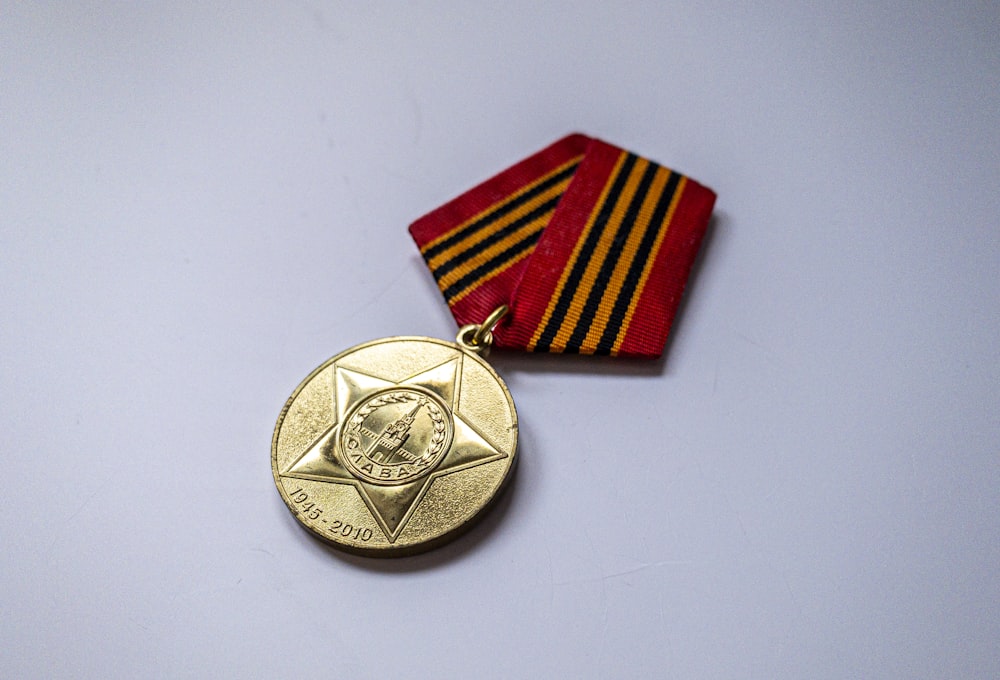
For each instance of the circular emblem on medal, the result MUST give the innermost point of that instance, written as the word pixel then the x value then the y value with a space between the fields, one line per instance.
pixel 396 436
pixel 394 446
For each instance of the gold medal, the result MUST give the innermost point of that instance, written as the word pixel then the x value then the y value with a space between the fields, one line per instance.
pixel 397 445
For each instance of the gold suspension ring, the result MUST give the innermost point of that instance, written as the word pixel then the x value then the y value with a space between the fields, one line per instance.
pixel 478 338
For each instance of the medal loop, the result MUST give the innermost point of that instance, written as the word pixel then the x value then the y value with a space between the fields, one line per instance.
pixel 478 338
pixel 487 326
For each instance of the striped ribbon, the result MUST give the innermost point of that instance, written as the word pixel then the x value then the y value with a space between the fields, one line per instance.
pixel 588 244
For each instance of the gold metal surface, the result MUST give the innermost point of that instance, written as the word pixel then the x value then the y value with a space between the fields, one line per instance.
pixel 478 338
pixel 484 336
pixel 396 445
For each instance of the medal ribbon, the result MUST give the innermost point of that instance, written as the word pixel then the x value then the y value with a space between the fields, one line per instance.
pixel 590 246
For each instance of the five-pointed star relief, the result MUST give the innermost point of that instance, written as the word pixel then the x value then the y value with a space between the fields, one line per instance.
pixel 392 506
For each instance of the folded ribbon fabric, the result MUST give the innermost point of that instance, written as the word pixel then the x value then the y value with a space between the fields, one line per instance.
pixel 588 244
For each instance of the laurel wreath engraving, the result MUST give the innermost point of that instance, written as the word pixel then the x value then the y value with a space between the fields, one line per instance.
pixel 437 418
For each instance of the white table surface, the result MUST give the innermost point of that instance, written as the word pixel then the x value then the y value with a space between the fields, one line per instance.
pixel 200 202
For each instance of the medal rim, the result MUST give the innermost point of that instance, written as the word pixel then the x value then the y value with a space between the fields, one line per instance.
pixel 392 550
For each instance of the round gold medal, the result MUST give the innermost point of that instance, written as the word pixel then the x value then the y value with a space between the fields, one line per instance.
pixel 395 446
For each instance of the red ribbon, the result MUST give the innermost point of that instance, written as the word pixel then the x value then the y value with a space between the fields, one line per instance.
pixel 589 245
